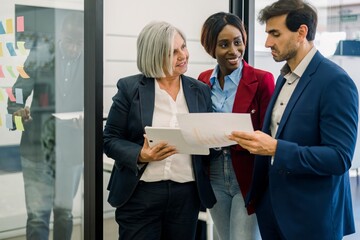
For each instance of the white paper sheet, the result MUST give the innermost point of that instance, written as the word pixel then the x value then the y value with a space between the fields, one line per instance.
pixel 174 137
pixel 211 129
pixel 69 115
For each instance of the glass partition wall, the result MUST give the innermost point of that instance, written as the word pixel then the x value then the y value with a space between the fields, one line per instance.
pixel 41 119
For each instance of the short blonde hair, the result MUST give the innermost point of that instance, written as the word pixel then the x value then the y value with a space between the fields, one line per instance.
pixel 155 49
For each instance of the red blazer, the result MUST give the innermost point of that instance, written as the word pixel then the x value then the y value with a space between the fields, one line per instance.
pixel 252 96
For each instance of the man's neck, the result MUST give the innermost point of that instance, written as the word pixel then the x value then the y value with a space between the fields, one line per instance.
pixel 303 50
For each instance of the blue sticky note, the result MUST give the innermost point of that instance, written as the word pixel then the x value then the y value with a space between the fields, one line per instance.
pixel 9 121
pixel 19 95
pixel 10 47
pixel 2 30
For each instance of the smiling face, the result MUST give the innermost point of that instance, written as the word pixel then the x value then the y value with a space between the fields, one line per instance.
pixel 180 57
pixel 283 43
pixel 230 49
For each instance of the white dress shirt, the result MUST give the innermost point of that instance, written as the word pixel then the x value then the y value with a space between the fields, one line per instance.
pixel 177 167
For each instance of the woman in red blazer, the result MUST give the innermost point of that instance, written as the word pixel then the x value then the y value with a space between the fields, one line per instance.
pixel 239 88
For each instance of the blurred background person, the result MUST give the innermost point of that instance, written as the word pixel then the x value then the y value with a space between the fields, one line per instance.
pixel 239 88
pixel 52 149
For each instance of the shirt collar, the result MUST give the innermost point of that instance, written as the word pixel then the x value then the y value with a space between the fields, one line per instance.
pixel 234 76
pixel 300 69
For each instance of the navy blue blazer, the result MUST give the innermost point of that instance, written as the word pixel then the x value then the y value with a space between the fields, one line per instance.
pixel 131 111
pixel 309 182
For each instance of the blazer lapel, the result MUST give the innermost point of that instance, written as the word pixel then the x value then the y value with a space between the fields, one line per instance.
pixel 191 94
pixel 246 89
pixel 147 100
pixel 300 87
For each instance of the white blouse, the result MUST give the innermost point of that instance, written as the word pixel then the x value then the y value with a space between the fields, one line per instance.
pixel 177 167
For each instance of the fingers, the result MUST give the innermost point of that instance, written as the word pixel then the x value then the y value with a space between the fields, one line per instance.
pixel 24 113
pixel 165 152
pixel 242 138
pixel 242 135
pixel 162 150
pixel 158 152
pixel 246 140
pixel 256 142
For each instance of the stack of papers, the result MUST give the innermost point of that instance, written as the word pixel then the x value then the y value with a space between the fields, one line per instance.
pixel 197 132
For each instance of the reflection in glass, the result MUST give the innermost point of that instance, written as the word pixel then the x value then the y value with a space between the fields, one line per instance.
pixel 51 148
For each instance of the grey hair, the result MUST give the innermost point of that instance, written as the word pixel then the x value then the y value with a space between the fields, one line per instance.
pixel 155 49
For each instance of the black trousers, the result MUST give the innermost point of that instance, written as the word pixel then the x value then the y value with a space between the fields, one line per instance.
pixel 163 210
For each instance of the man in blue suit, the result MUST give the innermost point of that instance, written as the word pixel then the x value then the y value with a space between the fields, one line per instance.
pixel 301 183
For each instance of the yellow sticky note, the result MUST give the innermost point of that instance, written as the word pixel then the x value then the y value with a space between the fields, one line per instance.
pixel 1 95
pixel 1 51
pixel 22 72
pixel 18 123
pixel 1 72
pixel 21 47
pixel 9 26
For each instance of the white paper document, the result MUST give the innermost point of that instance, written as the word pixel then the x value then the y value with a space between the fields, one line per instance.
pixel 174 137
pixel 69 115
pixel 211 129
pixel 198 132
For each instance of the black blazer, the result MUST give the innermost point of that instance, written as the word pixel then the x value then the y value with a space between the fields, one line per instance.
pixel 131 111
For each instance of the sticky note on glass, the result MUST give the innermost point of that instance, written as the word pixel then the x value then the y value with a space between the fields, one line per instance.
pixel 1 50
pixel 20 24
pixel 21 47
pixel 10 71
pixel 2 30
pixel 10 94
pixel 19 95
pixel 9 121
pixel 22 72
pixel 1 72
pixel 1 95
pixel 18 123
pixel 10 47
pixel 9 26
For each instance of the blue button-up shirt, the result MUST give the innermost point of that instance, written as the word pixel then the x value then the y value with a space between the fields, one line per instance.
pixel 223 99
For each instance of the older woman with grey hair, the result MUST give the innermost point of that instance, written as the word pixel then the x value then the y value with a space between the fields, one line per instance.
pixel 156 191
